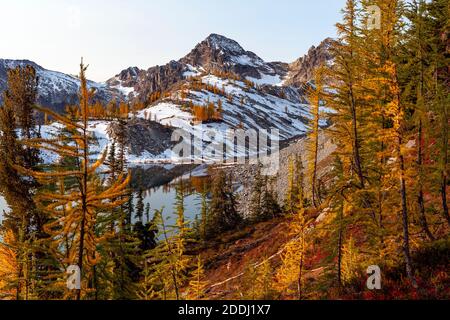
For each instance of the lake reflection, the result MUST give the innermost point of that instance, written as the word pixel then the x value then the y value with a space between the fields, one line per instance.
pixel 158 183
pixel 163 197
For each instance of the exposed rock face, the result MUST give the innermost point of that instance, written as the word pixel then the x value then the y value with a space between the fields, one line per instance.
pixel 159 78
pixel 220 53
pixel 276 101
pixel 145 136
pixel 244 175
pixel 302 70
pixel 215 53
pixel 127 77
pixel 56 89
pixel 281 68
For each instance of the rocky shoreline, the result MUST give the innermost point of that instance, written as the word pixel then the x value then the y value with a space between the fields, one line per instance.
pixel 244 175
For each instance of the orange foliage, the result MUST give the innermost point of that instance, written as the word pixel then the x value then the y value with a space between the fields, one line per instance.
pixel 8 265
pixel 207 112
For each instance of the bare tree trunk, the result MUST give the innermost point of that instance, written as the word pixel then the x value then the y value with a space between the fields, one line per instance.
pixel 340 240
pixel 444 177
pixel 423 218
pixel 420 198
pixel 356 146
pixel 84 180
pixel 315 197
pixel 84 210
pixel 444 196
pixel 316 201
pixel 175 283
pixel 300 279
pixel 405 221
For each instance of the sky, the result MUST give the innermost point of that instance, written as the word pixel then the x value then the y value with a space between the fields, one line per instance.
pixel 113 35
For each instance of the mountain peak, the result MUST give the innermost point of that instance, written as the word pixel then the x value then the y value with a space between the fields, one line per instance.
pixel 217 53
pixel 218 42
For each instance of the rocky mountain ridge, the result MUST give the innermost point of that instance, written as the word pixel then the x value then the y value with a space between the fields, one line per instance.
pixel 56 89
pixel 220 54
pixel 214 54
pixel 242 90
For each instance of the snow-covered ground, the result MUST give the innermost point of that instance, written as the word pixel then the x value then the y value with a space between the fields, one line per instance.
pixel 266 79
pixel 97 128
pixel 126 91
pixel 256 110
pixel 249 108
pixel 103 141
pixel 53 83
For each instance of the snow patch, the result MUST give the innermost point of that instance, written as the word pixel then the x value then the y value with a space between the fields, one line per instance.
pixel 266 79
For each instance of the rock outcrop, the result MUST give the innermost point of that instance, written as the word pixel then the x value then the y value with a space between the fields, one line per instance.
pixel 144 136
pixel 302 70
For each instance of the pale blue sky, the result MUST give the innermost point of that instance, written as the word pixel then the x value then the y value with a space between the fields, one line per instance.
pixel 113 34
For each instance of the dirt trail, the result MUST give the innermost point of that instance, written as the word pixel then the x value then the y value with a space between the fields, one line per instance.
pixel 226 262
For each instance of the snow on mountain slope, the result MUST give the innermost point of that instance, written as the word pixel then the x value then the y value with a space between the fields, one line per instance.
pixel 98 129
pixel 215 53
pixel 244 107
pixel 103 136
pixel 274 101
pixel 248 108
pixel 273 80
pixel 56 89
pixel 253 94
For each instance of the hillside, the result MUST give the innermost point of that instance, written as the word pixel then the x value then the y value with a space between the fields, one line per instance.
pixel 219 54
pixel 218 86
pixel 56 89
